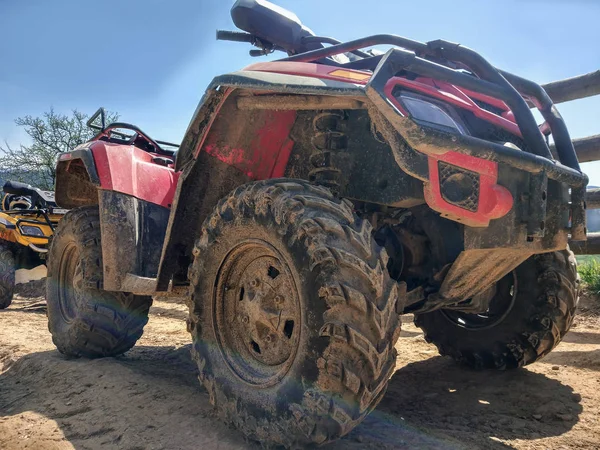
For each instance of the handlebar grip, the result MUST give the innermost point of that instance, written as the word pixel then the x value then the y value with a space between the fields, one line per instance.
pixel 236 36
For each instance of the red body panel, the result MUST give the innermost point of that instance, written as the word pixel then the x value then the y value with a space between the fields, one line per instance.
pixel 129 170
pixel 446 92
pixel 211 121
pixel 265 154
pixel 494 200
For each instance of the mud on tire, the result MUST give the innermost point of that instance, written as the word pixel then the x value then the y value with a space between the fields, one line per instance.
pixel 84 319
pixel 7 276
pixel 334 283
pixel 547 289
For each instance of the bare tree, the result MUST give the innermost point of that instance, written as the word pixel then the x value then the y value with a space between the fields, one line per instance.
pixel 51 134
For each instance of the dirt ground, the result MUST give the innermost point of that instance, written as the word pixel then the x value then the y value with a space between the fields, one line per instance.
pixel 150 397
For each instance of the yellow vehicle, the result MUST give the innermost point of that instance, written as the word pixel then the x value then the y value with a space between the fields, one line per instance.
pixel 27 219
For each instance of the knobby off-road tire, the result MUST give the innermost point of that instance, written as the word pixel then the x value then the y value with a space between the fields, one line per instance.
pixel 547 290
pixel 7 276
pixel 84 319
pixel 325 289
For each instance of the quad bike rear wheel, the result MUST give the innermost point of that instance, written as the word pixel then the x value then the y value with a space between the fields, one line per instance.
pixel 7 276
pixel 84 319
pixel 292 314
pixel 531 311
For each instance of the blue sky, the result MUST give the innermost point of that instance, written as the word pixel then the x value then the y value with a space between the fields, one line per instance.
pixel 151 60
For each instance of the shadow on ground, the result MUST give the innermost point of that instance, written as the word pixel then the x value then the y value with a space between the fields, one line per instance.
pixel 582 359
pixel 151 398
pixel 581 337
pixel 480 407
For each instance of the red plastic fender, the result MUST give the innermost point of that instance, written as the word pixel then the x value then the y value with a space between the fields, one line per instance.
pixel 129 170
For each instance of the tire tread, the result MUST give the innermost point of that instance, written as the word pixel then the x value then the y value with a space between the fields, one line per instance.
pixel 360 322
pixel 107 323
pixel 554 299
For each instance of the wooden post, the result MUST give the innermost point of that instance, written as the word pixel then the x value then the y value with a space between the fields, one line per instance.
pixel 588 85
pixel 592 245
pixel 574 88
pixel 587 148
pixel 589 247
pixel 592 198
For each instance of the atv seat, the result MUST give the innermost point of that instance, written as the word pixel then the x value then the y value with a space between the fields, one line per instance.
pixel 17 188
pixel 37 195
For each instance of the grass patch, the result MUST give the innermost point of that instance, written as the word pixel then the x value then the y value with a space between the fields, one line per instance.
pixel 581 259
pixel 589 270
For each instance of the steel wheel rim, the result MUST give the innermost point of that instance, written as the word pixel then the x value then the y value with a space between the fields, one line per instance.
pixel 478 322
pixel 257 314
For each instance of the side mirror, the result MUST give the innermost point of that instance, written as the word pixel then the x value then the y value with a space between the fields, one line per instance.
pixel 98 116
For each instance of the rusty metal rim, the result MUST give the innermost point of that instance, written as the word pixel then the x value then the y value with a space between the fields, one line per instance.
pixel 235 331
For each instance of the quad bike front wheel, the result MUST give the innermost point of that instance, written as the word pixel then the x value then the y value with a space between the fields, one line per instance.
pixel 7 276
pixel 531 311
pixel 292 314
pixel 84 319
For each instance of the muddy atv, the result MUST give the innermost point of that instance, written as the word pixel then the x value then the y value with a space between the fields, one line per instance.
pixel 313 200
pixel 28 216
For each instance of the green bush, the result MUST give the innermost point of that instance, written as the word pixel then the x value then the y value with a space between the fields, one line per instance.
pixel 590 274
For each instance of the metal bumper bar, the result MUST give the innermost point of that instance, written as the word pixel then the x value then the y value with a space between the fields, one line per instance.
pixel 429 141
pixel 420 58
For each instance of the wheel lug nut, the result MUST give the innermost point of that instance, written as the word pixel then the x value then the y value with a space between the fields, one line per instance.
pixel 254 283
pixel 268 338
pixel 278 299
pixel 245 319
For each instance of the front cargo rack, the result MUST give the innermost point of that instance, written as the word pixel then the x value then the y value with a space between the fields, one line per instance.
pixel 463 67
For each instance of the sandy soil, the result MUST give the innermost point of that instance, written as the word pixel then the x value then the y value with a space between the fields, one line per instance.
pixel 150 397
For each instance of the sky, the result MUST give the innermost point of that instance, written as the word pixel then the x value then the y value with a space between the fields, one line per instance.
pixel 151 60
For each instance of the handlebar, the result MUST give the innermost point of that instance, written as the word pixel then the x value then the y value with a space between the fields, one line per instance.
pixel 236 36
pixel 265 47
pixel 127 126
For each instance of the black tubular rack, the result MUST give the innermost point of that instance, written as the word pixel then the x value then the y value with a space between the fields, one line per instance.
pixel 420 58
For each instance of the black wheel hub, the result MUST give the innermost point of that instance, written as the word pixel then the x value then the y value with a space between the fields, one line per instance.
pixel 500 306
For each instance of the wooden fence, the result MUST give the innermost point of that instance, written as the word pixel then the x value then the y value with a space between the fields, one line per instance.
pixel 587 149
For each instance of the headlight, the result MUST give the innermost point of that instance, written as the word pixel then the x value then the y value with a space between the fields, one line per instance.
pixel 30 230
pixel 6 223
pixel 430 114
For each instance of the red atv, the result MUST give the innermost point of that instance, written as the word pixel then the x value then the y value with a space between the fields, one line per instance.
pixel 314 200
